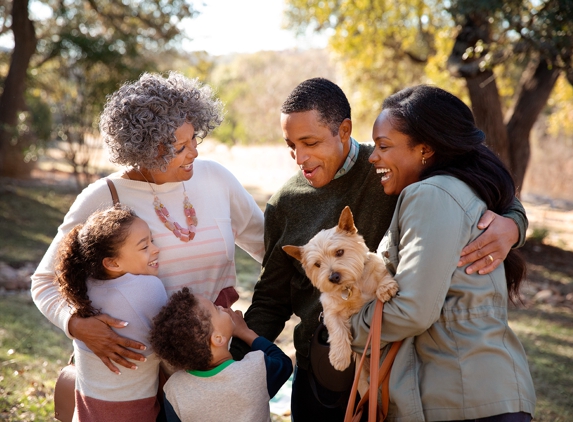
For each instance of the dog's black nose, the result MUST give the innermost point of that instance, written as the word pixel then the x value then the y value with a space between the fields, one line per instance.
pixel 334 278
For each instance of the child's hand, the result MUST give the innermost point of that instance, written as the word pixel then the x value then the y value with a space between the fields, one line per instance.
pixel 241 329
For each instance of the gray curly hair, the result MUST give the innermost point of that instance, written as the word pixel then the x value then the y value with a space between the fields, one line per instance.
pixel 139 120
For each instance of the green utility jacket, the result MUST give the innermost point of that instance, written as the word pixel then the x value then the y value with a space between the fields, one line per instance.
pixel 459 359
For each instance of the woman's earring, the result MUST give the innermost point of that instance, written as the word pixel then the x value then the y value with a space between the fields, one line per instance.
pixel 423 160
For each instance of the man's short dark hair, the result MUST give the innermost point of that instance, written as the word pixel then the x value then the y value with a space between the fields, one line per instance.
pixel 323 96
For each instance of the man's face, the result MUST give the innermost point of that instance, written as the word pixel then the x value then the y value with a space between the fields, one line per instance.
pixel 317 152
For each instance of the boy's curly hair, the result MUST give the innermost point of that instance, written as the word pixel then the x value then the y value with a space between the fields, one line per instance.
pixel 181 333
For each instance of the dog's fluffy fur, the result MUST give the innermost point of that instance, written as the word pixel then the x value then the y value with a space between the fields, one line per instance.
pixel 338 263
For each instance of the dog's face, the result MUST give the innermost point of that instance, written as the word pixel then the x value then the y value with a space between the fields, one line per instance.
pixel 333 259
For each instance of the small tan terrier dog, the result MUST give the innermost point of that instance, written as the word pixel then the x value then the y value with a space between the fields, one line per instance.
pixel 339 264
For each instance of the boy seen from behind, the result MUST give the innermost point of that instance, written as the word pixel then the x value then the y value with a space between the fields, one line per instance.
pixel 193 335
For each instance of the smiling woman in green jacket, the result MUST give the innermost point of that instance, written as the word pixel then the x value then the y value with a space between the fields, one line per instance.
pixel 460 360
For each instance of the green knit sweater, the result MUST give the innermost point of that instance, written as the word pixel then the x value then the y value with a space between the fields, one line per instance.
pixel 293 216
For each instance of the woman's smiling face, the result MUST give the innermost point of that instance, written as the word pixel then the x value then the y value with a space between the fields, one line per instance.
pixel 398 163
pixel 180 168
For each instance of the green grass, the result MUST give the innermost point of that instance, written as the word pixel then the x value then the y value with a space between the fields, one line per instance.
pixel 547 336
pixel 29 218
pixel 32 351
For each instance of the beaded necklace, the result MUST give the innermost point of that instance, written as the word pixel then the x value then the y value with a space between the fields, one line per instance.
pixel 182 233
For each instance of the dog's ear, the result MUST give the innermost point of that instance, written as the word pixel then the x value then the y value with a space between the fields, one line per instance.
pixel 294 251
pixel 346 221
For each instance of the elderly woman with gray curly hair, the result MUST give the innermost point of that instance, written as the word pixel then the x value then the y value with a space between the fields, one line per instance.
pixel 196 209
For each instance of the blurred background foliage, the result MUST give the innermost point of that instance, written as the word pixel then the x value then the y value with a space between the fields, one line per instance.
pixel 504 55
pixel 509 60
pixel 67 56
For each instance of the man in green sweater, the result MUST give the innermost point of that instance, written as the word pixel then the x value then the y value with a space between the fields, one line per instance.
pixel 334 172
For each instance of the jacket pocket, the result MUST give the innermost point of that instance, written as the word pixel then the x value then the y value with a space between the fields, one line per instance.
pixel 226 230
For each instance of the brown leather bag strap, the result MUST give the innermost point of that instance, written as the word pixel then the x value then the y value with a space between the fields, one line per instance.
pixel 381 374
pixel 376 328
pixel 384 377
pixel 113 191
pixel 351 415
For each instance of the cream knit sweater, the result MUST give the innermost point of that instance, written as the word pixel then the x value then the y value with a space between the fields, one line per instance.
pixel 226 212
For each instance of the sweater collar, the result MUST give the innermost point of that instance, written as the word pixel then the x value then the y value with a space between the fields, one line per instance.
pixel 211 372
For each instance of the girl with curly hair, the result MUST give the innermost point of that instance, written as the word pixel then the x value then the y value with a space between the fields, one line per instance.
pixel 193 335
pixel 110 264
pixel 196 209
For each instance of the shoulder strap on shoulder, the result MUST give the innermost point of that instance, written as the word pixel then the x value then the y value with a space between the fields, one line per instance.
pixel 113 191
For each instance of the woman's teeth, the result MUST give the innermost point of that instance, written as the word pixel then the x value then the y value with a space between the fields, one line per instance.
pixel 153 263
pixel 384 172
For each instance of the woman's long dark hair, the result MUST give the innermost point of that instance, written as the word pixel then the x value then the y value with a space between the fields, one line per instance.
pixel 429 115
pixel 82 251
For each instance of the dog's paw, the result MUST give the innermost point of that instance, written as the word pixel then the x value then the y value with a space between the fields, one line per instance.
pixel 339 358
pixel 387 290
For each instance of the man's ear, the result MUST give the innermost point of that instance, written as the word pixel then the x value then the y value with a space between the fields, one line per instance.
pixel 345 130
pixel 111 264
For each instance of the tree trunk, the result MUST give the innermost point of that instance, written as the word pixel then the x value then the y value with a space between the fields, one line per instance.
pixel 12 100
pixel 534 90
pixel 509 139
pixel 465 62
pixel 486 107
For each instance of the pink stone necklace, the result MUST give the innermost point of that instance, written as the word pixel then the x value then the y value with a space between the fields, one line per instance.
pixel 182 233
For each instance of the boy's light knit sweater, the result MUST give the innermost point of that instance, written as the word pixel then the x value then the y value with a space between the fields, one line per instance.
pixel 233 391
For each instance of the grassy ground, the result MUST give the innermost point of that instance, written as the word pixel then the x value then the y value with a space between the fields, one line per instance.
pixel 547 336
pixel 29 217
pixel 32 350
